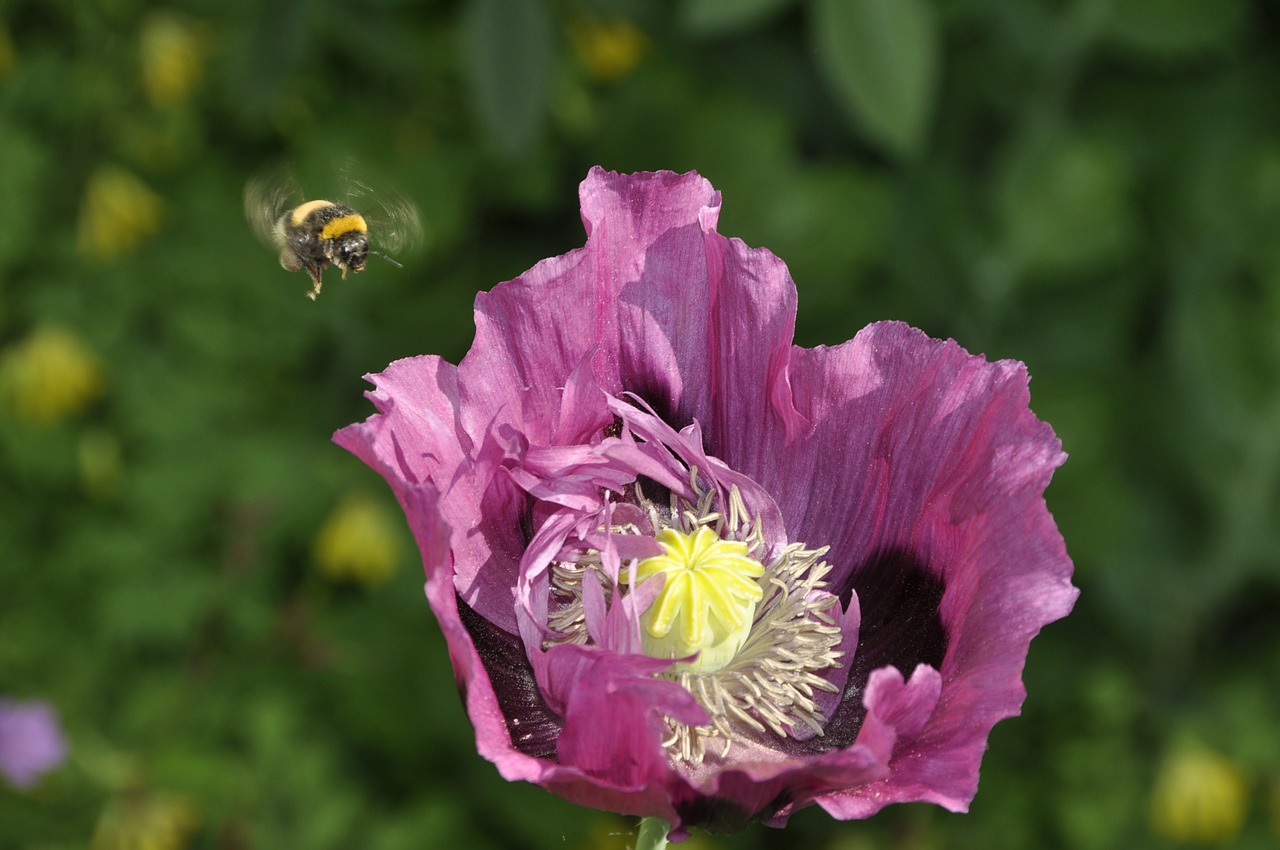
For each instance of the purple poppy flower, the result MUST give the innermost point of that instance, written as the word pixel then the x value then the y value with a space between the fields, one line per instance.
pixel 689 570
pixel 31 741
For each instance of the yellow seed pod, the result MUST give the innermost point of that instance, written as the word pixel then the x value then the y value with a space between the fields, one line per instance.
pixel 708 600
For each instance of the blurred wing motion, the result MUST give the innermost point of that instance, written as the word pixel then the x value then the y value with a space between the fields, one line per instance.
pixel 267 198
pixel 395 224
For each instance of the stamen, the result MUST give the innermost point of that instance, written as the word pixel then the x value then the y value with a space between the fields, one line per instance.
pixel 761 631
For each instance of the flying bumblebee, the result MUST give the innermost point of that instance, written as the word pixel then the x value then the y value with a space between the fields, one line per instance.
pixel 315 234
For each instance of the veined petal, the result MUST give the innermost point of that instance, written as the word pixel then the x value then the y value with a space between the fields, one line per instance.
pixel 884 497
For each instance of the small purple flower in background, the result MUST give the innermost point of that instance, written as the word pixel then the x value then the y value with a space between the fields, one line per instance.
pixel 689 570
pixel 31 741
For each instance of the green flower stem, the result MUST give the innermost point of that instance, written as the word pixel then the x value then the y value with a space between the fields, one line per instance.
pixel 653 834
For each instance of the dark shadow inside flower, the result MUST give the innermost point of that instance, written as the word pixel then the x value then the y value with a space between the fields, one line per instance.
pixel 724 816
pixel 649 490
pixel 901 621
pixel 534 727
pixel 901 627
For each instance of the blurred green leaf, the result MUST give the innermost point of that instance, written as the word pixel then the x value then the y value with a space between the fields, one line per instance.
pixel 1100 791
pixel 1231 351
pixel 1175 29
pixel 438 821
pixel 24 179
pixel 156 609
pixel 509 60
pixel 830 224
pixel 881 58
pixel 1065 202
pixel 712 17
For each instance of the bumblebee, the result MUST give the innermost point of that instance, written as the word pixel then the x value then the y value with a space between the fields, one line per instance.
pixel 316 234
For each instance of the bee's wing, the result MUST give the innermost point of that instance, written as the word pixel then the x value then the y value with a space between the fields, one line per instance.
pixel 266 198
pixel 394 221
pixel 398 224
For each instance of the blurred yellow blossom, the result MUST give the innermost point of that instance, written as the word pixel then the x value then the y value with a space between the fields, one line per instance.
pixel 8 56
pixel 358 542
pixel 48 376
pixel 1275 805
pixel 609 50
pixel 118 212
pixel 610 833
pixel 173 54
pixel 1199 797
pixel 144 822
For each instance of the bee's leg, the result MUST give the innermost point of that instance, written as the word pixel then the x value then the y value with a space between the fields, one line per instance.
pixel 315 270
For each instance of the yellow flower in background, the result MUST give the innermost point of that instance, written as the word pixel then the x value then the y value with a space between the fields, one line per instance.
pixel 8 56
pixel 1199 797
pixel 173 52
pixel 117 214
pixel 1275 805
pixel 610 834
pixel 358 542
pixel 49 376
pixel 146 823
pixel 609 50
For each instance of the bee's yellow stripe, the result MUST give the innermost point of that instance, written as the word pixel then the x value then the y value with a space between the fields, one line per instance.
pixel 301 212
pixel 344 224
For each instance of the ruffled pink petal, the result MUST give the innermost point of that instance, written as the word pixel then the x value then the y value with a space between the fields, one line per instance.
pixel 940 457
pixel 752 318
pixel 591 683
pixel 610 303
pixel 759 785
pixel 897 709
pixel 919 465
pixel 378 446
pixel 417 436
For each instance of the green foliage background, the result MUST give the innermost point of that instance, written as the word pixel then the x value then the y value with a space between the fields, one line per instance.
pixel 1090 186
